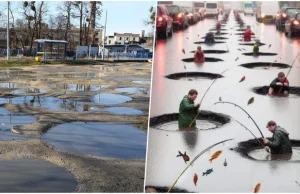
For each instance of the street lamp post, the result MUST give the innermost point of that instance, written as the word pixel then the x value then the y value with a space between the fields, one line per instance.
pixel 8 52
pixel 104 35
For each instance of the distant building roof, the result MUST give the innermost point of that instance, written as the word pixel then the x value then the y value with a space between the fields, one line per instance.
pixel 128 34
pixel 48 40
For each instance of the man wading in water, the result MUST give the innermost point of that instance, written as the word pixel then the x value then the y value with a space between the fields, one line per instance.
pixel 188 110
pixel 280 143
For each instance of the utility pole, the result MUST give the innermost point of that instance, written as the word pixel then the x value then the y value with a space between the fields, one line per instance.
pixel 8 52
pixel 104 35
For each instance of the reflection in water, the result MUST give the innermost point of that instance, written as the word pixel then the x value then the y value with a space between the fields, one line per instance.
pixel 190 136
pixel 261 154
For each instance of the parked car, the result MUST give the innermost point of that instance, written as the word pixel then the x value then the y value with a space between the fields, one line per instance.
pixel 164 22
pixel 180 19
pixel 192 17
pixel 283 15
pixel 266 11
pixel 200 8
pixel 292 25
pixel 212 9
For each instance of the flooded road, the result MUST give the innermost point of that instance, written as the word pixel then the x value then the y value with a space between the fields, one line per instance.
pixel 163 167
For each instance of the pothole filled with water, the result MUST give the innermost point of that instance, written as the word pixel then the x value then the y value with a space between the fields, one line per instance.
pixel 218 38
pixel 252 149
pixel 134 90
pixel 142 82
pixel 110 99
pixel 263 90
pixel 29 91
pixel 206 120
pixel 191 76
pixel 212 51
pixel 251 44
pixel 260 54
pixel 99 139
pixel 35 176
pixel 9 121
pixel 124 111
pixel 207 59
pixel 214 29
pixel 264 65
pixel 202 42
pixel 166 189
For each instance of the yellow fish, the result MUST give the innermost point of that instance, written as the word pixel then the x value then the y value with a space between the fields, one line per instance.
pixel 215 155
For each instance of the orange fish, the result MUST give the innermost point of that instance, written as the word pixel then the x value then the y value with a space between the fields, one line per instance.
pixel 195 179
pixel 257 188
pixel 243 79
pixel 225 163
pixel 185 157
pixel 251 100
pixel 183 51
pixel 215 155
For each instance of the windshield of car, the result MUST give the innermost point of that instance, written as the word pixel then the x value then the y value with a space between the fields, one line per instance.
pixel 173 9
pixel 160 11
pixel 199 5
pixel 211 5
pixel 292 10
pixel 248 5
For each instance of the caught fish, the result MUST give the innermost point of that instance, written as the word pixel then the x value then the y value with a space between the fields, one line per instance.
pixel 215 155
pixel 251 100
pixel 243 79
pixel 257 188
pixel 225 162
pixel 236 58
pixel 207 172
pixel 183 51
pixel 220 99
pixel 270 45
pixel 185 157
pixel 195 179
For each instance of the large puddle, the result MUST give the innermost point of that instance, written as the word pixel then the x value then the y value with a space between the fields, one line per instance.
pixel 35 176
pixel 78 87
pixel 99 139
pixel 110 99
pixel 134 90
pixel 123 111
pixel 142 82
pixel 8 121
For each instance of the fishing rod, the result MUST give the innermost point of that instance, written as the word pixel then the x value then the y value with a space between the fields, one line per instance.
pixel 288 73
pixel 250 132
pixel 245 112
pixel 205 94
pixel 275 61
pixel 201 153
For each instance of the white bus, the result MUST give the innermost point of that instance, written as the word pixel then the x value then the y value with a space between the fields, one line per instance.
pixel 212 8
pixel 249 8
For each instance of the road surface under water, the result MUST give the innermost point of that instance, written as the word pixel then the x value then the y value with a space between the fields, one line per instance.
pixel 241 174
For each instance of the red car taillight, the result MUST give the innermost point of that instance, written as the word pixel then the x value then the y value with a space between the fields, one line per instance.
pixel 160 19
pixel 179 15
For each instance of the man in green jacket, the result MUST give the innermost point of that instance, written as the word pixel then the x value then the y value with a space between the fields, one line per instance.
pixel 280 143
pixel 188 110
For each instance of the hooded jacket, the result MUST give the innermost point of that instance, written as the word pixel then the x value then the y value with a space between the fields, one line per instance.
pixel 280 143
pixel 187 113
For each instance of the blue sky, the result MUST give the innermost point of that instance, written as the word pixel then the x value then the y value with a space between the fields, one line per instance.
pixel 122 16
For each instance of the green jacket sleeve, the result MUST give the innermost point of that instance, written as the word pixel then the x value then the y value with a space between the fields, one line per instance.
pixel 273 83
pixel 187 105
pixel 276 141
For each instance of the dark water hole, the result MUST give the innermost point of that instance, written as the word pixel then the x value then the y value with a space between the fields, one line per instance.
pixel 191 76
pixel 264 64
pixel 202 42
pixel 218 38
pixel 213 51
pixel 207 59
pixel 263 90
pixel 99 139
pixel 165 189
pixel 206 120
pixel 251 44
pixel 261 54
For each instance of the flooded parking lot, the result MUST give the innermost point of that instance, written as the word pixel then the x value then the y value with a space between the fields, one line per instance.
pixel 165 140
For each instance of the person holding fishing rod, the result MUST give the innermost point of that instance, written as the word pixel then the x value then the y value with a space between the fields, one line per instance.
pixel 188 110
pixel 280 143
pixel 279 84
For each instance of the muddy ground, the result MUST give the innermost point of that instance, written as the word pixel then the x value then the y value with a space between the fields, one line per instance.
pixel 94 174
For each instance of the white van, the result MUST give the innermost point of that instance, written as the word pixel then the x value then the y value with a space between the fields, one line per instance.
pixel 212 8
pixel 266 11
pixel 249 8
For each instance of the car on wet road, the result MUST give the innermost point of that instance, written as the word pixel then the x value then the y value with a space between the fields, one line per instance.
pixel 284 15
pixel 193 18
pixel 180 19
pixel 164 22
pixel 200 8
pixel 292 25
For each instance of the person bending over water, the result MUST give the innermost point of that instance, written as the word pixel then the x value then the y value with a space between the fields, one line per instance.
pixel 199 56
pixel 280 143
pixel 209 38
pixel 188 110
pixel 279 85
pixel 247 34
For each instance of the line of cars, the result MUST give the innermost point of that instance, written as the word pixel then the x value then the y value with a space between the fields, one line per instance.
pixel 171 17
